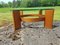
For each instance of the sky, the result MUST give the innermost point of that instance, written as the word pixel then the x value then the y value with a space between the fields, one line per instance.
pixel 6 1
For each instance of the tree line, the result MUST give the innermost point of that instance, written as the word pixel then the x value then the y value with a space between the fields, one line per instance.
pixel 29 3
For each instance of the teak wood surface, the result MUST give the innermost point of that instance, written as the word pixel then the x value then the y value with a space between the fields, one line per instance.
pixel 18 17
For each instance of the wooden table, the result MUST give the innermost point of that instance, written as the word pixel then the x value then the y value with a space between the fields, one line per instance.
pixel 48 17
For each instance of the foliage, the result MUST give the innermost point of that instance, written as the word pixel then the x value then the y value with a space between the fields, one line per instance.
pixel 30 3
pixel 33 4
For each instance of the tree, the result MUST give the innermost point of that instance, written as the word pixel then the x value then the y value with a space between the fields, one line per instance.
pixel 58 2
pixel 1 6
pixel 33 3
pixel 10 4
pixel 18 3
pixel 14 3
pixel 24 3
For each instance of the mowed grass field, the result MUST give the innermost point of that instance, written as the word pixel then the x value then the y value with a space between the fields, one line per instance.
pixel 6 15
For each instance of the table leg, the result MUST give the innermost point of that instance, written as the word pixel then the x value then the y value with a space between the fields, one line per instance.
pixel 17 19
pixel 49 18
pixel 40 12
pixel 21 13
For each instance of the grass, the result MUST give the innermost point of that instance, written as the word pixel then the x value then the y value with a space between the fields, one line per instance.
pixel 4 10
pixel 57 13
pixel 5 18
pixel 6 15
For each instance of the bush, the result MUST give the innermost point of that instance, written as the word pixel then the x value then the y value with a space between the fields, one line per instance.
pixel 1 6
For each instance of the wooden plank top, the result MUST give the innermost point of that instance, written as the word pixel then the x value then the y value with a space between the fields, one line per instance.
pixel 29 9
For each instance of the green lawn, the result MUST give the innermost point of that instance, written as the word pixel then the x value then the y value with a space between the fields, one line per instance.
pixel 57 13
pixel 6 14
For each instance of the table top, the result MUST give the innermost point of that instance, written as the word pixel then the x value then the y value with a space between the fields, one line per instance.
pixel 39 8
